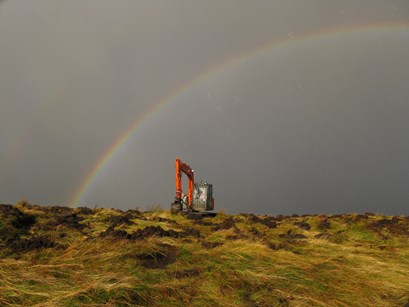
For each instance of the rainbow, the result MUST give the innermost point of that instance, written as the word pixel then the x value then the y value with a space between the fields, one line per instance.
pixel 291 39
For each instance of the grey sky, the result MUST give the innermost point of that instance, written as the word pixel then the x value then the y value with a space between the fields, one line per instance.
pixel 316 125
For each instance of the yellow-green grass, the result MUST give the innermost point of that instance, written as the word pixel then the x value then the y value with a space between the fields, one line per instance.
pixel 355 261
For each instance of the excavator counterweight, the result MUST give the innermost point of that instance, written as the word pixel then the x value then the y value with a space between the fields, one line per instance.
pixel 199 198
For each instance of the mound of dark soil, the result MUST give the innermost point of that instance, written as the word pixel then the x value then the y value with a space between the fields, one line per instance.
pixel 281 217
pixel 360 217
pixel 255 232
pixel 226 224
pixel 59 210
pixel 84 211
pixel 236 237
pixel 386 222
pixel 133 213
pixel 395 226
pixel 268 221
pixel 17 218
pixel 156 231
pixel 164 220
pixel 324 224
pixel 190 232
pixel 8 209
pixel 158 259
pixel 114 234
pixel 149 231
pixel 24 245
pixel 68 219
pixel 118 220
pixel 14 223
pixel 23 221
pixel 204 223
pixel 275 246
pixel 303 225
pixel 290 235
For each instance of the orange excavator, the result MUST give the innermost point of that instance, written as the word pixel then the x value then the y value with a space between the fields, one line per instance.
pixel 199 198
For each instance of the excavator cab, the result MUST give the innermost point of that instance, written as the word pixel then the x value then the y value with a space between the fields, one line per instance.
pixel 199 198
pixel 203 197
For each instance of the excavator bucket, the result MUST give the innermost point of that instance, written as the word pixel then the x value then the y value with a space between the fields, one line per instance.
pixel 175 208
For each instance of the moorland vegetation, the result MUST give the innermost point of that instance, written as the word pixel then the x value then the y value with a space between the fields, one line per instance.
pixel 60 256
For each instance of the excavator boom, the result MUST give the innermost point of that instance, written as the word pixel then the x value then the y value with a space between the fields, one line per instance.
pixel 183 167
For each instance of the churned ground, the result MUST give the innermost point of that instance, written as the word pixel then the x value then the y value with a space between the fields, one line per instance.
pixel 58 256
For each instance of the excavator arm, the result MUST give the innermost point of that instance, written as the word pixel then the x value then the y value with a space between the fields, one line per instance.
pixel 180 168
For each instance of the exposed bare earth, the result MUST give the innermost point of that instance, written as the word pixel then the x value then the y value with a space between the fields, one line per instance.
pixel 58 256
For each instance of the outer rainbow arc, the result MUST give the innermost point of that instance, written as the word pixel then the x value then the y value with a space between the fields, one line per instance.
pixel 113 148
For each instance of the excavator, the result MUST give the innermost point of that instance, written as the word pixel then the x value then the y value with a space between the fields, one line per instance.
pixel 199 198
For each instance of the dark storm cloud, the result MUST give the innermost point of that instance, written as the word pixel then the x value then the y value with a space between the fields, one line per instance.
pixel 314 126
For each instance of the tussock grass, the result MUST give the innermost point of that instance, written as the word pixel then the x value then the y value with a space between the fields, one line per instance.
pixel 93 258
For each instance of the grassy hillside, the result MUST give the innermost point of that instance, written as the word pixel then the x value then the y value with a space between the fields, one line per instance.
pixel 57 256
